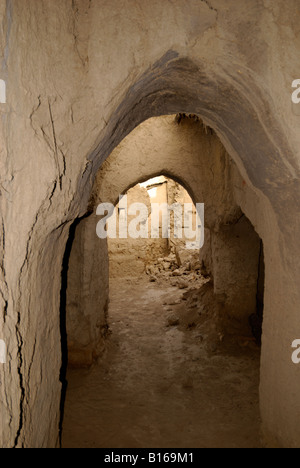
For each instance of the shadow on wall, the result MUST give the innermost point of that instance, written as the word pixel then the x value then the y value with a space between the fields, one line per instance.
pixel 86 295
pixel 63 319
pixel 256 320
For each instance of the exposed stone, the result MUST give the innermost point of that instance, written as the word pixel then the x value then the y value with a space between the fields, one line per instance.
pixel 173 320
pixel 176 273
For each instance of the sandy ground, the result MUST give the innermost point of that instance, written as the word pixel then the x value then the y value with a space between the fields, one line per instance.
pixel 157 386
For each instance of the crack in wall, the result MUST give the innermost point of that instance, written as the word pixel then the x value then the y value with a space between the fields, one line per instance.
pixel 53 192
pixel 21 380
pixel 210 6
pixel 8 406
pixel 4 294
pixel 25 398
pixel 5 308
pixel 19 334
pixel 21 343
pixel 33 112
pixel 60 165
pixel 29 370
pixel 76 14
pixel 60 172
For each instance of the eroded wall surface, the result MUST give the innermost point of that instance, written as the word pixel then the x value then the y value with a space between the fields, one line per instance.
pixel 80 76
pixel 87 295
pixel 195 156
pixel 129 257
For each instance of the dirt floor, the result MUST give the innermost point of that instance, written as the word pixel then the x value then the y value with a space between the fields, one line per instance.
pixel 161 384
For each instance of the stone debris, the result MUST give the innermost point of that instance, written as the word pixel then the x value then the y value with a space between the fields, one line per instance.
pixel 182 269
pixel 200 312
pixel 173 320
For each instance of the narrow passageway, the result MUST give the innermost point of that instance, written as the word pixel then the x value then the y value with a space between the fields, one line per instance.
pixel 163 312
pixel 160 382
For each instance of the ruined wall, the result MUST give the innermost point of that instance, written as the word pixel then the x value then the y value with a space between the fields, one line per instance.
pixel 80 76
pixel 87 295
pixel 177 195
pixel 183 152
pixel 92 261
pixel 195 156
pixel 129 257
pixel 235 261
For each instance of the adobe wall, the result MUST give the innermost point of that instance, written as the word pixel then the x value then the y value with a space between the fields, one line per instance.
pixel 194 155
pixel 81 76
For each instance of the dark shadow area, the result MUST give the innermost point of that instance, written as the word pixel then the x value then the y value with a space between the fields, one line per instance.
pixel 256 320
pixel 63 327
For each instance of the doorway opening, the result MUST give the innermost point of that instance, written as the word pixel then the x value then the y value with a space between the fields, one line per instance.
pixel 163 330
pixel 167 249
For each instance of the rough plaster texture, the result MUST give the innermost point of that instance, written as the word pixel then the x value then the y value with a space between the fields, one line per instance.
pixel 198 160
pixel 80 76
pixel 88 271
pixel 184 152
pixel 87 295
pixel 235 260
pixel 129 257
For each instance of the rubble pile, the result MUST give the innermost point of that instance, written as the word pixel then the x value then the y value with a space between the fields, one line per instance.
pixel 200 312
pixel 181 268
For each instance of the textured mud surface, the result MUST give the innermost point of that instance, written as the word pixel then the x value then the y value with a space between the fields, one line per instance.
pixel 160 385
